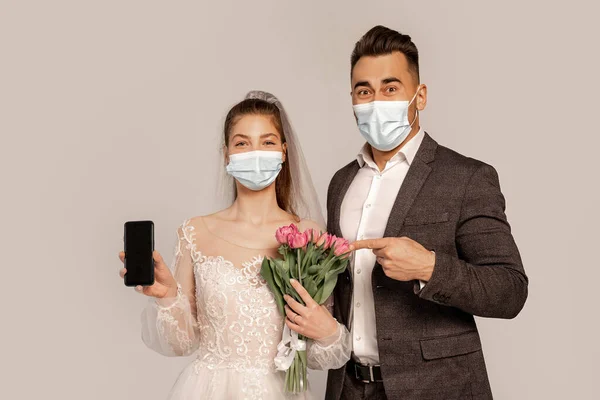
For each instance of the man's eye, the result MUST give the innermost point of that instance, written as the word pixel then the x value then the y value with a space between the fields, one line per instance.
pixel 363 92
pixel 392 89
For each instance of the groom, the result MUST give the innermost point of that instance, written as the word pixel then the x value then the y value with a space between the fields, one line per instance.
pixel 433 245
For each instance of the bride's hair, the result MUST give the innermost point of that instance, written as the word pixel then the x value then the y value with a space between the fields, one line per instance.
pixel 256 106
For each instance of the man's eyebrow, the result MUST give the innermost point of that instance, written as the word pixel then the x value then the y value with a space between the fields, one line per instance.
pixel 363 83
pixel 390 80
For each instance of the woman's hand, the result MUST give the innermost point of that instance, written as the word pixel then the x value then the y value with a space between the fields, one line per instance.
pixel 164 285
pixel 311 320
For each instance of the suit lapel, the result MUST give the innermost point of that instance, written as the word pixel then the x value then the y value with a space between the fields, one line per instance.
pixel 415 178
pixel 344 288
pixel 344 183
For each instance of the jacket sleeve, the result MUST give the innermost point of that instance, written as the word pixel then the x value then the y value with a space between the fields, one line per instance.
pixel 487 278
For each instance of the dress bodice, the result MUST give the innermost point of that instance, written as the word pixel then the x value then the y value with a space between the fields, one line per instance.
pixel 238 319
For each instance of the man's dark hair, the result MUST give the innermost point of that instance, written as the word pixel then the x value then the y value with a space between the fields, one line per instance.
pixel 379 41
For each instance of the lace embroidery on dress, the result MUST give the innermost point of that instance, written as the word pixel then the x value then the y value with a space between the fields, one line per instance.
pixel 238 320
pixel 168 323
pixel 237 313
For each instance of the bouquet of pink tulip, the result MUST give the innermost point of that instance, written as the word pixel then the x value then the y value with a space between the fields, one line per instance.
pixel 314 259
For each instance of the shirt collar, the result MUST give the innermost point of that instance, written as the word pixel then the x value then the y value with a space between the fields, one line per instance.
pixel 407 152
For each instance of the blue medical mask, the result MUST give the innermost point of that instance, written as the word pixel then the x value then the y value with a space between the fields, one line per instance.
pixel 384 124
pixel 255 169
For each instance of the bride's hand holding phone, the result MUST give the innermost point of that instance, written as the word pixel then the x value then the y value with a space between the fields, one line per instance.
pixel 164 286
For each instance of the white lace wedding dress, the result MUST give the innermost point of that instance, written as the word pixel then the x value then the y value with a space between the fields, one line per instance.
pixel 226 313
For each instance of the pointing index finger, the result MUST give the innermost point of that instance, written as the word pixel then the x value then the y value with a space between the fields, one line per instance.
pixel 372 244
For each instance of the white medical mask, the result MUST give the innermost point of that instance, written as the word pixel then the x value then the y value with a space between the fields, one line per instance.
pixel 384 124
pixel 255 169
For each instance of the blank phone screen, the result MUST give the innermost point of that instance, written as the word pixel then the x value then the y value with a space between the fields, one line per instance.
pixel 139 245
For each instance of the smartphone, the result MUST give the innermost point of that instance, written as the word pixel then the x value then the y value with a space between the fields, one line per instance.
pixel 138 241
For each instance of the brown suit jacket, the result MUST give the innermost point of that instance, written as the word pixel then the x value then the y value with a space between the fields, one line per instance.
pixel 429 346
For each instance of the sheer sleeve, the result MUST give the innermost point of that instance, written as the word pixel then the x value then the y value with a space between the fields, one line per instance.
pixel 169 325
pixel 332 352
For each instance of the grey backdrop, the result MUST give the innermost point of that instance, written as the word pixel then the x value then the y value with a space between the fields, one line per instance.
pixel 111 110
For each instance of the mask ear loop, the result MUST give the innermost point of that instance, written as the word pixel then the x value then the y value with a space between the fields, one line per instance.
pixel 416 109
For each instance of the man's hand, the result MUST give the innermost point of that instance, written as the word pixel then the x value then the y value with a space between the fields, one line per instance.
pixel 402 258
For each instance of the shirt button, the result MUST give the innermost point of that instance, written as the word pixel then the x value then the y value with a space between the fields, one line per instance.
pixel 368 205
pixel 357 305
pixel 358 338
pixel 358 271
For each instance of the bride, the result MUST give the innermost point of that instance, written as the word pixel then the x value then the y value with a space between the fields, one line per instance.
pixel 213 301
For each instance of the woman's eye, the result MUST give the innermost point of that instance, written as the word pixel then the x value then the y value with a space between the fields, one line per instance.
pixel 240 144
pixel 269 143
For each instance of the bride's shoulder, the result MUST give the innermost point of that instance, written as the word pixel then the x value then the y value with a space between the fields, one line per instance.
pixel 210 222
pixel 197 222
pixel 201 221
pixel 305 224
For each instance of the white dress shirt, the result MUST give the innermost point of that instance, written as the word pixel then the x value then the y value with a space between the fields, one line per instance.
pixel 364 214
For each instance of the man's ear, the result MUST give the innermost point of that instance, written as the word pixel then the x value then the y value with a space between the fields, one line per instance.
pixel 422 98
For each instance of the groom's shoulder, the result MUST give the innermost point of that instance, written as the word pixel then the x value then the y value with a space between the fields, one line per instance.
pixel 345 170
pixel 446 157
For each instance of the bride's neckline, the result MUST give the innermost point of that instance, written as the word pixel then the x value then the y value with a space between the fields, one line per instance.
pixel 232 243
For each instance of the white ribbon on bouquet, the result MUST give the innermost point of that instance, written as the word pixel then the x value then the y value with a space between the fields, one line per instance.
pixel 287 349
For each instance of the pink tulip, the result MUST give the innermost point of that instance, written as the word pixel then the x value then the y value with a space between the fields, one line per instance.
pixel 313 235
pixel 330 240
pixel 298 240
pixel 283 233
pixel 321 240
pixel 341 246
